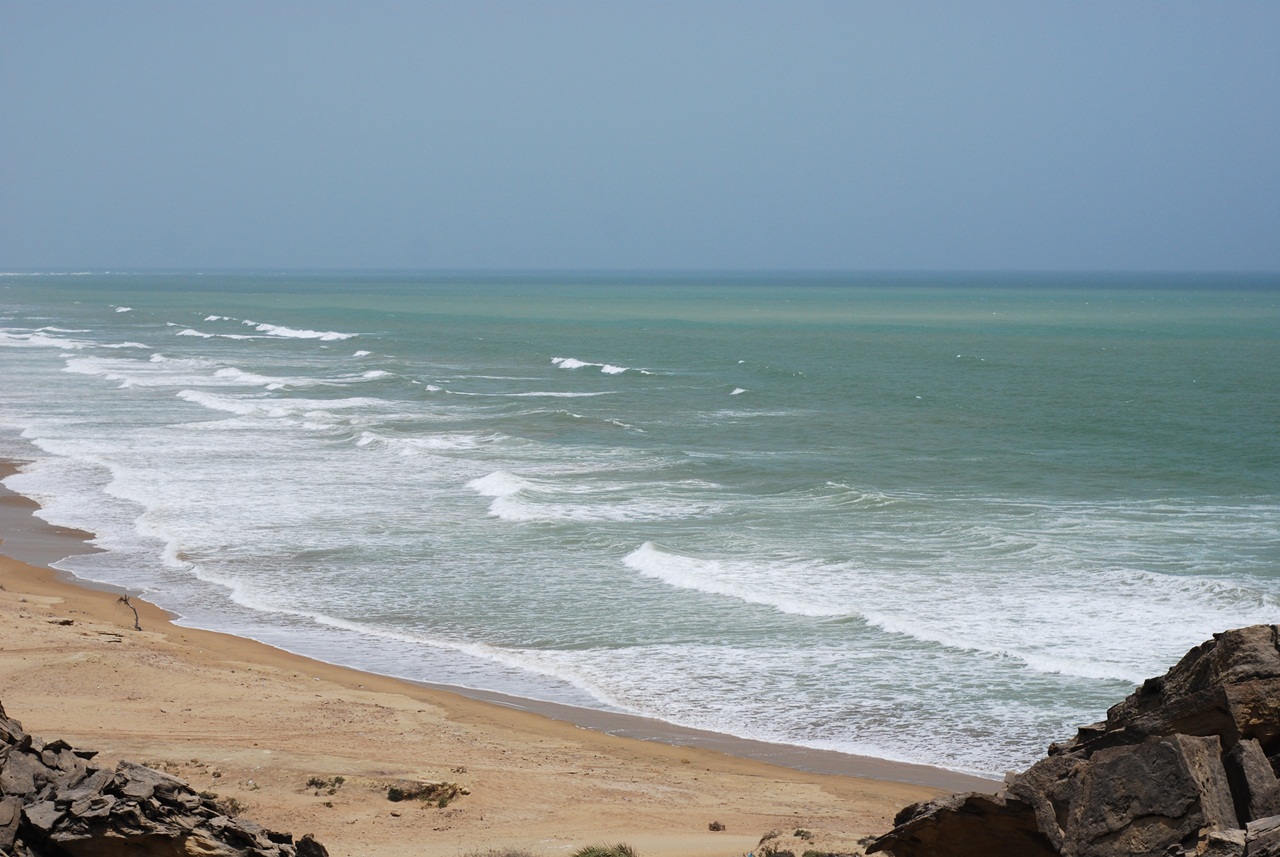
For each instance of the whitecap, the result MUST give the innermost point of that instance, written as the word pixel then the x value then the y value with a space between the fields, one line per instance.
pixel 38 340
pixel 605 368
pixel 500 483
pixel 716 577
pixel 275 408
pixel 292 333
pixel 124 309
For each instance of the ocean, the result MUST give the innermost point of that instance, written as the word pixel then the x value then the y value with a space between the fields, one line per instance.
pixel 935 519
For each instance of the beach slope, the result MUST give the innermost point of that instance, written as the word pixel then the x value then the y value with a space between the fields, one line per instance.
pixel 256 725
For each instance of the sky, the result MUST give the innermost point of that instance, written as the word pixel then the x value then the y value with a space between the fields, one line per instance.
pixel 554 135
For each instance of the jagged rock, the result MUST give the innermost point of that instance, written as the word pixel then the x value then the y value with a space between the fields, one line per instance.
pixel 10 818
pixel 1253 782
pixel 1262 837
pixel 966 825
pixel 1228 686
pixel 19 774
pixel 89 787
pixel 1145 798
pixel 1223 843
pixel 308 847
pixel 1180 767
pixel 43 815
pixel 55 802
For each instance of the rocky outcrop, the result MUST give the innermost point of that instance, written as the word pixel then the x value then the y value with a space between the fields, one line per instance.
pixel 1187 765
pixel 54 801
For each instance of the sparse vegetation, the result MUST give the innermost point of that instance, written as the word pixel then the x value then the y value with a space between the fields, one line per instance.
pixel 231 807
pixel 769 846
pixel 328 786
pixel 806 835
pixel 500 852
pixel 715 826
pixel 618 850
pixel 124 599
pixel 438 793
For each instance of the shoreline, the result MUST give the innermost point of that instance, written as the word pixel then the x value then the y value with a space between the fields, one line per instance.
pixel 43 544
pixel 254 722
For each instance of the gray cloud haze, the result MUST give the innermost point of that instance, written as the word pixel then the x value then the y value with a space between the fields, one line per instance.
pixel 691 135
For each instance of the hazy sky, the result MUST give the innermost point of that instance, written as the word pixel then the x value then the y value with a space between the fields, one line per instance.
pixel 685 135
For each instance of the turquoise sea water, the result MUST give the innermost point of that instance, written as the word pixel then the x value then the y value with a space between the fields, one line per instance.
pixel 934 519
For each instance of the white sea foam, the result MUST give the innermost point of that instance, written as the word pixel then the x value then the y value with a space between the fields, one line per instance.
pixel 361 354
pixel 291 333
pixel 275 408
pixel 184 362
pixel 36 339
pixel 716 577
pixel 162 371
pixel 606 368
pixel 737 391
pixel 499 484
pixel 440 442
pixel 239 377
pixel 124 309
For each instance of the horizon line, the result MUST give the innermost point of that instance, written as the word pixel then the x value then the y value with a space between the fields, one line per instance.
pixel 641 272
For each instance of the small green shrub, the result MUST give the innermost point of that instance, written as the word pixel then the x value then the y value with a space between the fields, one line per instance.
pixel 329 785
pixel 438 793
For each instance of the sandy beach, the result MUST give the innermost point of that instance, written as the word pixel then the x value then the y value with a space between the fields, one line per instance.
pixel 256 725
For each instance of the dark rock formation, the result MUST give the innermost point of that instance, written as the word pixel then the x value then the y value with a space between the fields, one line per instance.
pixel 55 802
pixel 1187 765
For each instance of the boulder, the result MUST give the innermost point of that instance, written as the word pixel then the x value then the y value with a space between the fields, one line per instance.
pixel 1186 765
pixel 1147 798
pixel 966 825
